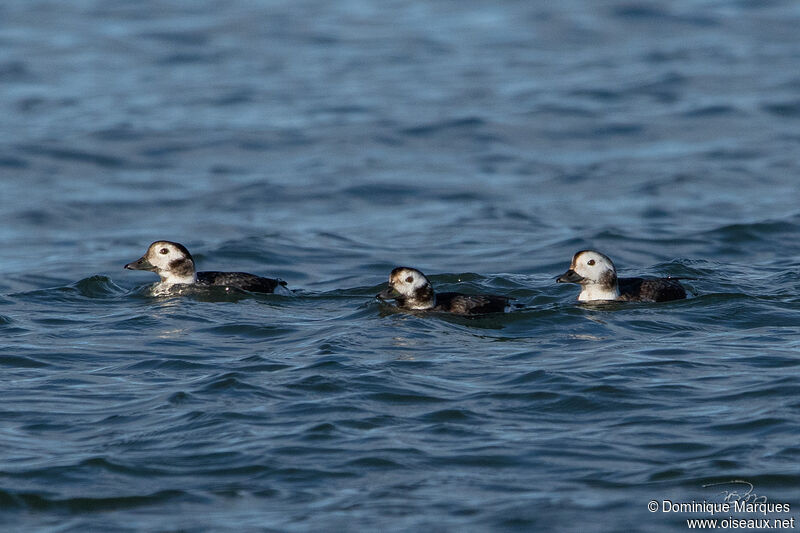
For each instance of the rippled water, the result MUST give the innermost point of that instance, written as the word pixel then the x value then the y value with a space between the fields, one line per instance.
pixel 327 142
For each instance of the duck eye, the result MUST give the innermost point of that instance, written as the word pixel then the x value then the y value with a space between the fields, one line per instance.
pixel 590 262
pixel 409 279
pixel 163 251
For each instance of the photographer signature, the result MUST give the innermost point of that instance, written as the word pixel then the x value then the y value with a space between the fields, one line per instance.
pixel 733 495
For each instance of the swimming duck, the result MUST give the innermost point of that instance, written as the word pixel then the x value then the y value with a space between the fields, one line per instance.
pixel 596 275
pixel 175 265
pixel 411 290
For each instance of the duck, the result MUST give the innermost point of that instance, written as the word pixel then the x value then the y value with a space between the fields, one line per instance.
pixel 412 290
pixel 175 266
pixel 597 276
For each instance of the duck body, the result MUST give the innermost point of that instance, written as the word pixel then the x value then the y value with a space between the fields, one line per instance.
pixel 470 304
pixel 650 290
pixel 241 280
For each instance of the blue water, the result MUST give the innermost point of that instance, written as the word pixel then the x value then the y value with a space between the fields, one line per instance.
pixel 327 142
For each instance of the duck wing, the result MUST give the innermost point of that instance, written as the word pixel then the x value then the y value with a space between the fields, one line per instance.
pixel 240 280
pixel 470 304
pixel 650 290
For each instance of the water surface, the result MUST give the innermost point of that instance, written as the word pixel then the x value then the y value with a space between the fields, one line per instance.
pixel 326 143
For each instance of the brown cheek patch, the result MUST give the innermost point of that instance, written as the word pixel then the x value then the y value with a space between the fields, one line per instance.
pixel 181 267
pixel 608 278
